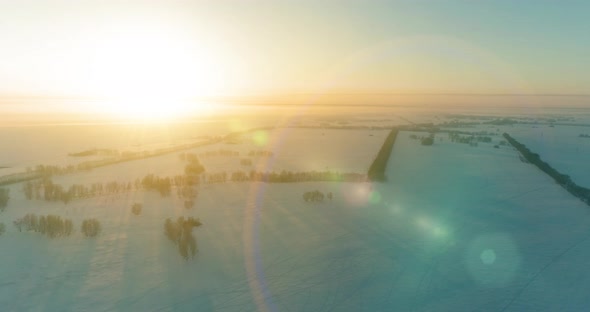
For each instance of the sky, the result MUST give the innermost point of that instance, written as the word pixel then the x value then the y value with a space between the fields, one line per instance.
pixel 125 49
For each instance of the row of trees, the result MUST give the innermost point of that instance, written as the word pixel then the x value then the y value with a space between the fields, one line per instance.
pixel 54 226
pixel 289 176
pixel 562 179
pixel 47 190
pixel 468 139
pixel 377 169
pixel 4 198
pixel 180 233
pixel 51 225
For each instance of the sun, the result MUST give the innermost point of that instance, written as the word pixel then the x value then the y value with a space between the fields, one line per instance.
pixel 151 74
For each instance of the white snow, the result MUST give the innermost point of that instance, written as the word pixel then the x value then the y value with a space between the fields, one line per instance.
pixel 455 228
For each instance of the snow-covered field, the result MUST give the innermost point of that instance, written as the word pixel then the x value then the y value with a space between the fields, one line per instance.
pixel 293 149
pixel 455 228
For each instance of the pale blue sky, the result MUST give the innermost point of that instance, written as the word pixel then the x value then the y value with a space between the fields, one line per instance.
pixel 255 47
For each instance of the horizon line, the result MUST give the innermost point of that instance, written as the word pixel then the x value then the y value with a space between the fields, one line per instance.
pixel 7 96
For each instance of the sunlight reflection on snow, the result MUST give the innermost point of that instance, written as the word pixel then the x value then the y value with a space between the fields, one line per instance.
pixel 493 259
pixel 357 195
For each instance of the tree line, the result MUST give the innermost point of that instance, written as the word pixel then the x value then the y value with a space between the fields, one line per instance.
pixel 468 139
pixel 46 189
pixel 377 169
pixel 185 185
pixel 54 226
pixel 562 179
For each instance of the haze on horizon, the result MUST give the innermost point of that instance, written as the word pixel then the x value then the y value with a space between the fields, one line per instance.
pixel 140 54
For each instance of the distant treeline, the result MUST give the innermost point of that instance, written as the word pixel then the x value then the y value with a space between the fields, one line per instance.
pixel 46 189
pixel 50 225
pixel 289 176
pixel 377 169
pixel 54 226
pixel 561 179
pixel 96 152
pixel 44 171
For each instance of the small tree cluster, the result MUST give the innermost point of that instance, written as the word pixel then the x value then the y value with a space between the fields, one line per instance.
pixel 90 227
pixel 47 190
pixel 429 140
pixel 162 185
pixel 4 197
pixel 246 162
pixel 314 196
pixel 50 225
pixel 180 232
pixel 187 192
pixel 217 177
pixel 136 209
pixel 194 167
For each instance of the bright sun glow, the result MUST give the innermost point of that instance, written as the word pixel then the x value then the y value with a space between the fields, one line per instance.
pixel 150 74
pixel 152 109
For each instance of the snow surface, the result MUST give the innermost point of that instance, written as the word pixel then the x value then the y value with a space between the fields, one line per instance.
pixel 455 228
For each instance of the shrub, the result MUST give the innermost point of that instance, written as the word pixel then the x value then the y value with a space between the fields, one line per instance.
pixel 90 227
pixel 136 209
pixel 2 228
